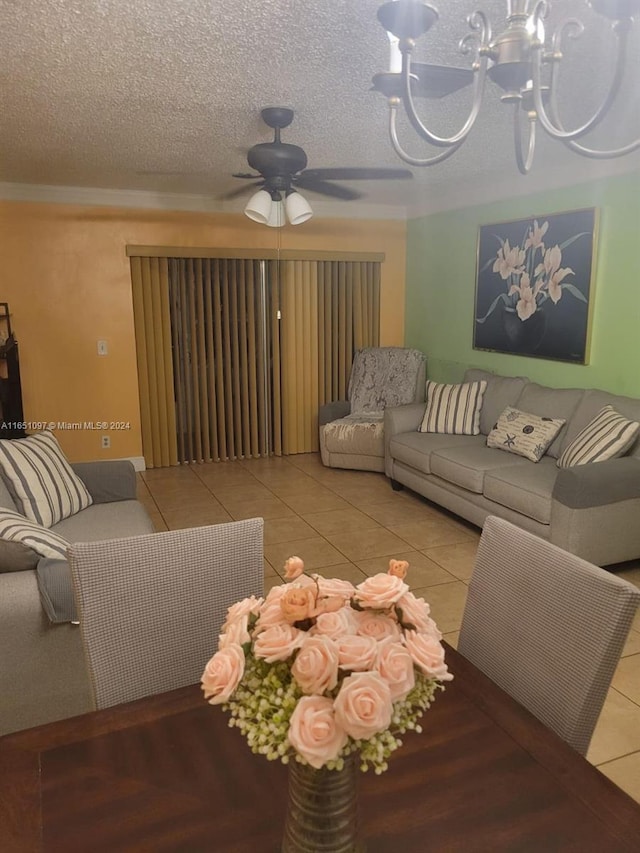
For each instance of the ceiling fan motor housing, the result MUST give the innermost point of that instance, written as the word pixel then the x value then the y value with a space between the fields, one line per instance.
pixel 277 159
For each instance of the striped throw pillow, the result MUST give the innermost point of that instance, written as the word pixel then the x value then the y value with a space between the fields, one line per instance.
pixel 40 480
pixel 607 436
pixel 453 409
pixel 16 528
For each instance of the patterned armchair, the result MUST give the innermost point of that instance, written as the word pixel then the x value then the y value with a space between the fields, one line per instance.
pixel 351 431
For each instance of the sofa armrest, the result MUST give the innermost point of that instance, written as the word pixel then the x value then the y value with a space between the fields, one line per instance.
pixel 113 480
pixel 399 419
pixel 333 411
pixel 598 483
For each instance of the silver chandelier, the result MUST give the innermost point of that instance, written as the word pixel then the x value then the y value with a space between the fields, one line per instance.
pixel 521 60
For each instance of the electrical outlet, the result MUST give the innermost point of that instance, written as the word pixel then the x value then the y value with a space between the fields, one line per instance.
pixel 103 349
pixel 105 442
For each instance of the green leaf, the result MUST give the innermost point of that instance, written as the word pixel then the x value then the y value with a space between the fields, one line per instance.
pixel 573 290
pixel 574 238
pixel 503 297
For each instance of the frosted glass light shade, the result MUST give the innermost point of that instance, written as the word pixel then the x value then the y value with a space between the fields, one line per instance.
pixel 298 209
pixel 276 217
pixel 259 207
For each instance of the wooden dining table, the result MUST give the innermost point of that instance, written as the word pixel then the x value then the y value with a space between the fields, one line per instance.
pixel 166 774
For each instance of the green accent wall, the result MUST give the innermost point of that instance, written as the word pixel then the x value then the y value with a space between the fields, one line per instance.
pixel 441 272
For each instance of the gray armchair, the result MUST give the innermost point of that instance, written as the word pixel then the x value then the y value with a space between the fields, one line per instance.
pixel 352 430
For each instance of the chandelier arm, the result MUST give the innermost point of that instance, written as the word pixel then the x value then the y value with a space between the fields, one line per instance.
pixel 602 155
pixel 415 161
pixel 550 120
pixel 479 70
pixel 524 164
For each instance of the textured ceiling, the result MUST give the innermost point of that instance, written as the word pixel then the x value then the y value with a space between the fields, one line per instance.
pixel 165 96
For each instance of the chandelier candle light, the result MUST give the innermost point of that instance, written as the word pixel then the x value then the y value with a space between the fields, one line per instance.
pixel 327 676
pixel 521 60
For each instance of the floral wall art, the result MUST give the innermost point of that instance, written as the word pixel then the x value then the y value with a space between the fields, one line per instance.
pixel 534 288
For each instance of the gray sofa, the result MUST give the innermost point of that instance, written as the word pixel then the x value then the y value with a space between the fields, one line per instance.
pixel 591 510
pixel 42 669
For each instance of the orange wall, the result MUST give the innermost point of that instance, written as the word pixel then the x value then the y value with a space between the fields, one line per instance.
pixel 67 282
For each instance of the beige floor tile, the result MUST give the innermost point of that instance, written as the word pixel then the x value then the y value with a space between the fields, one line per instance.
pixel 253 491
pixel 173 474
pixel 618 730
pixel 319 501
pixel 287 482
pixel 447 603
pixel 182 500
pixel 457 559
pixel 627 677
pixel 452 638
pixel 344 571
pixel 269 571
pixel 392 513
pixel 422 571
pixel 158 521
pixel 632 646
pixel 263 508
pixel 315 552
pixel 364 544
pixel 178 519
pixel 625 773
pixel 219 475
pixel 631 573
pixel 430 533
pixel 369 495
pixel 286 529
pixel 270 582
pixel 339 521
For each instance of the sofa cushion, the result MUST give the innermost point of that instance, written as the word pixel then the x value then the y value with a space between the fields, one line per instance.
pixel 550 403
pixel 106 521
pixel 361 434
pixel 415 448
pixel 607 436
pixel 467 466
pixel 56 590
pixel 17 557
pixel 16 528
pixel 524 488
pixel 453 409
pixel 501 391
pixel 40 480
pixel 591 404
pixel 524 434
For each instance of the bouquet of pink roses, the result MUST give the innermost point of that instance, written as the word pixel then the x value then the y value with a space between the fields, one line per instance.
pixel 321 669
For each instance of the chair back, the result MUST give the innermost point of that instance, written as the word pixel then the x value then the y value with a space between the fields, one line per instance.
pixel 151 607
pixel 386 376
pixel 546 626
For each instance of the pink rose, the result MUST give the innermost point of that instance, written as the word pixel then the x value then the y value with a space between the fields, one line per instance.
pixel 331 604
pixel 415 611
pixel 398 568
pixel 314 732
pixel 336 624
pixel 243 608
pixel 223 674
pixel 428 655
pixel 356 653
pixel 277 642
pixel 297 603
pixel 380 591
pixel 270 615
pixel 335 586
pixel 376 625
pixel 293 568
pixel 363 706
pixel 316 665
pixel 395 665
pixel 236 633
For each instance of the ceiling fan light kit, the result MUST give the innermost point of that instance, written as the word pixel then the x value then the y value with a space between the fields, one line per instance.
pixel 522 60
pixel 281 168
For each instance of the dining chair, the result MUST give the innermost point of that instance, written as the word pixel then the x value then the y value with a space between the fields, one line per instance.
pixel 151 607
pixel 546 626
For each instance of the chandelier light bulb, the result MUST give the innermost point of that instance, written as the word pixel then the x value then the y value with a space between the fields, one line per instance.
pixel 298 208
pixel 259 207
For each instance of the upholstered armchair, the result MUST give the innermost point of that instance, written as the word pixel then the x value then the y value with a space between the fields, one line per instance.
pixel 351 431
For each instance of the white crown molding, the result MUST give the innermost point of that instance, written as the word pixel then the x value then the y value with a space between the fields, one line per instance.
pixel 144 199
pixel 488 190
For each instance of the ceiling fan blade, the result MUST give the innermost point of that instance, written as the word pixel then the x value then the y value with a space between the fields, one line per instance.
pixel 253 175
pixel 357 174
pixel 325 188
pixel 240 191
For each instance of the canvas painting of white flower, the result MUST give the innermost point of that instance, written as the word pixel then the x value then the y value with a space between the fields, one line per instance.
pixel 534 288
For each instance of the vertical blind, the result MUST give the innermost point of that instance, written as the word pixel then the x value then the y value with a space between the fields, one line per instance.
pixel 235 355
